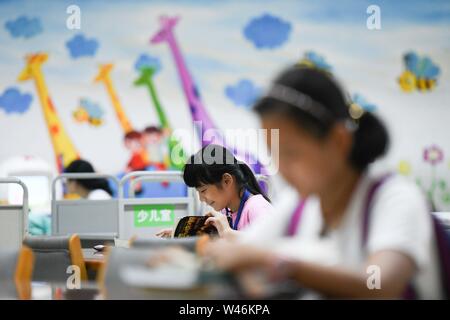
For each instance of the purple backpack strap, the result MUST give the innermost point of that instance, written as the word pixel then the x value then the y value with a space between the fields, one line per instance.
pixel 295 219
pixel 443 245
pixel 410 293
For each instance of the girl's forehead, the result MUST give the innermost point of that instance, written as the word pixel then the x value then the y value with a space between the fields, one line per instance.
pixel 206 186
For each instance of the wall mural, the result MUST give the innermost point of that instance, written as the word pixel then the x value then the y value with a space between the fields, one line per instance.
pixel 114 90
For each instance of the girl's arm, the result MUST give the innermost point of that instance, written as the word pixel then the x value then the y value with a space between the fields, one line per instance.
pixel 393 269
pixel 396 271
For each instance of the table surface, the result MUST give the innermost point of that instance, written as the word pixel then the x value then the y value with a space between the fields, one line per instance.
pixel 215 288
pixel 93 255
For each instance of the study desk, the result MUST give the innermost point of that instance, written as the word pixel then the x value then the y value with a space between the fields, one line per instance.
pixel 93 257
pixel 94 261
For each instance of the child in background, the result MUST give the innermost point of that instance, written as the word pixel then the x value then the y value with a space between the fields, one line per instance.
pixel 91 189
pixel 227 185
pixel 352 234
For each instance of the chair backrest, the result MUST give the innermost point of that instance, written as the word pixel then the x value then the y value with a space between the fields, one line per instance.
pixel 53 255
pixel 109 278
pixel 154 188
pixel 13 218
pixel 144 217
pixel 189 243
pixel 16 267
pixel 84 217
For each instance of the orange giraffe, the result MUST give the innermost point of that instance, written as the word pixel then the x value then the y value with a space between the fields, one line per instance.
pixel 63 147
pixel 105 77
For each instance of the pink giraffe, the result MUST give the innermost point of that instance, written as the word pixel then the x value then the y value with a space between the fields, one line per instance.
pixel 197 109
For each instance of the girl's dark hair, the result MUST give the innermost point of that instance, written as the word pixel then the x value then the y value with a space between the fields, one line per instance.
pixel 210 164
pixel 370 137
pixel 82 166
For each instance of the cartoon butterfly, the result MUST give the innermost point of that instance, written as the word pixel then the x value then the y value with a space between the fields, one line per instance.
pixel 362 103
pixel 421 73
pixel 312 59
pixel 90 112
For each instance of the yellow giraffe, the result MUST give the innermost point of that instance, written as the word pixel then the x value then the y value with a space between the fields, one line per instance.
pixel 104 76
pixel 65 151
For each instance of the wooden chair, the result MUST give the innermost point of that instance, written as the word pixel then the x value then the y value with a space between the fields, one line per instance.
pixel 16 268
pixel 54 254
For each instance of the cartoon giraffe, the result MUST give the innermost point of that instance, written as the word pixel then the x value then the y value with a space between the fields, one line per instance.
pixel 63 147
pixel 145 78
pixel 197 109
pixel 105 77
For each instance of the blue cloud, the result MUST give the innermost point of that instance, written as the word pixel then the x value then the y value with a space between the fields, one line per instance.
pixel 267 31
pixel 24 27
pixel 80 46
pixel 244 93
pixel 145 60
pixel 12 101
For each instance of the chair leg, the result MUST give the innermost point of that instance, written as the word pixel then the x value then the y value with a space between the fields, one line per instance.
pixel 24 273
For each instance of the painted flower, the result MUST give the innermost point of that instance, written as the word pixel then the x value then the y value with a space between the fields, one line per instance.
pixel 433 155
pixel 404 168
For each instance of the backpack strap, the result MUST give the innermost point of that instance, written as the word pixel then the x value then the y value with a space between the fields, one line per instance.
pixel 295 219
pixel 410 292
pixel 443 246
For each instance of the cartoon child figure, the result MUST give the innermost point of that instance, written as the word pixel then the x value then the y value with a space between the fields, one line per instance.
pixel 156 143
pixel 139 159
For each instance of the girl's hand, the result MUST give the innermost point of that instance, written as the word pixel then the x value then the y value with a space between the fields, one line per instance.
pixel 220 221
pixel 165 233
pixel 228 255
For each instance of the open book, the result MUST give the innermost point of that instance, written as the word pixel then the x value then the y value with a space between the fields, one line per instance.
pixel 192 226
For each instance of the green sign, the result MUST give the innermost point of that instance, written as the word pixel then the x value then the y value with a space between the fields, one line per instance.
pixel 154 215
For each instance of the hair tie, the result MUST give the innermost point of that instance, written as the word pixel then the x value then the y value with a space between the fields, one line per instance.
pixel 355 111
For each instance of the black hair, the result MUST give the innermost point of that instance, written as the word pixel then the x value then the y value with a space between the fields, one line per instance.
pixel 370 137
pixel 83 166
pixel 209 165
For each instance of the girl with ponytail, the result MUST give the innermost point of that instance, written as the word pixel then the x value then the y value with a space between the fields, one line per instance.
pixel 347 232
pixel 229 186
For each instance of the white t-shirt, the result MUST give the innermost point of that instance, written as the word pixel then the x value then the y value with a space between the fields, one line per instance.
pixel 399 220
pixel 98 194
